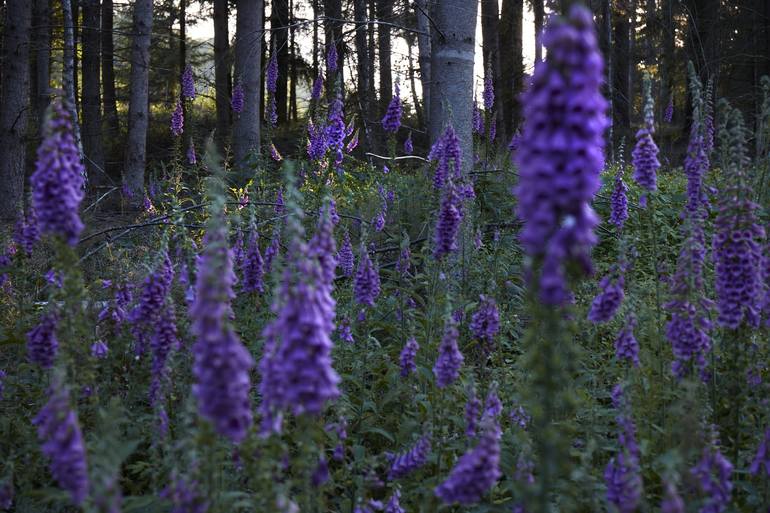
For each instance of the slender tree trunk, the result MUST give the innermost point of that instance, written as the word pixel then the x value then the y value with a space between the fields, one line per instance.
pixel 621 70
pixel 423 46
pixel 364 62
pixel 384 13
pixel 14 106
pixel 490 33
pixel 183 61
pixel 453 51
pixel 92 107
pixel 539 11
pixel 413 84
pixel 222 73
pixel 333 34
pixel 373 58
pixel 511 64
pixel 138 107
pixel 42 46
pixel 75 10
pixel 248 67
pixel 316 15
pixel 108 71
pixel 292 65
pixel 69 71
pixel 279 18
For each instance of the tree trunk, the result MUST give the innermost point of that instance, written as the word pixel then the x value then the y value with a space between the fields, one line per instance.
pixel 138 107
pixel 279 17
pixel 423 46
pixel 108 71
pixel 539 11
pixel 413 84
pixel 292 66
pixel 222 73
pixel 69 71
pixel 248 67
pixel 621 64
pixel 336 82
pixel 92 110
pixel 490 33
pixel 316 15
pixel 75 16
pixel 42 45
pixel 511 64
pixel 364 61
pixel 183 63
pixel 372 53
pixel 14 106
pixel 452 73
pixel 384 13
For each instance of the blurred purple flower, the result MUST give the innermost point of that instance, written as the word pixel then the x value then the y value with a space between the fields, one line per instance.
pixel 404 463
pixel 42 344
pixel 177 120
pixel 188 83
pixel 391 122
pixel 450 359
pixel 407 357
pixel 237 100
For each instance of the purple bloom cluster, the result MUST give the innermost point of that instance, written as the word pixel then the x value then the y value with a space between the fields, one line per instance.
pixel 645 161
pixel 42 344
pixel 489 93
pixel 177 120
pixel 99 350
pixel 478 120
pixel 445 152
pixel 762 457
pixel 272 74
pixel 485 322
pixel 316 142
pixel 366 286
pixel 273 249
pixel 253 266
pixel 318 83
pixel 408 145
pixel 619 202
pixel 622 474
pixel 472 411
pixel 626 346
pixel 184 497
pixel 696 164
pixel 222 364
pixel 237 100
pixel 27 232
pixel 448 224
pixel 450 359
pixel 668 115
pixel 188 83
pixel 155 289
pixel 606 304
pixel 59 432
pixel 331 58
pixel 391 122
pixel 192 158
pixel 407 357
pixel 163 341
pixel 345 257
pixel 336 130
pixel 404 463
pixel 394 503
pixel 713 473
pixel 57 183
pixel 476 472
pixel 562 152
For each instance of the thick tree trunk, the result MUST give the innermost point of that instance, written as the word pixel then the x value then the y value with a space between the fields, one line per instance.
pixel 138 107
pixel 42 44
pixel 248 66
pixel 222 73
pixel 490 33
pixel 92 110
pixel 109 96
pixel 364 62
pixel 372 51
pixel 279 18
pixel 69 71
pixel 423 46
pixel 539 11
pixel 333 33
pixel 453 50
pixel 384 13
pixel 511 64
pixel 14 106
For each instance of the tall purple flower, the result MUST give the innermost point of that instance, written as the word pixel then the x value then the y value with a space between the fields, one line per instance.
pixel 335 130
pixel 345 257
pixel 478 120
pixel 645 160
pixel 318 83
pixel 57 183
pixel 394 503
pixel 672 502
pixel 713 473
pixel 366 286
pixel 27 232
pixel 489 93
pixel 472 411
pixel 626 346
pixel 222 364
pixel 404 463
pixel 408 145
pixel 696 164
pixel 450 359
pixel 188 83
pixel 62 443
pixel 177 120
pixel 331 58
pixel 446 151
pixel 392 119
pixel 237 100
pixel 762 457
pixel 476 472
pixel 606 304
pixel 192 158
pixel 562 152
pixel 619 202
pixel 448 224
pixel 272 74
pixel 253 266
pixel 163 341
pixel 485 322
pixel 273 249
pixel 42 344
pixel 317 142
pixel 622 474
pixel 145 314
pixel 407 357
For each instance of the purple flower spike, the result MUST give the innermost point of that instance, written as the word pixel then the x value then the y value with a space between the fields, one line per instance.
pixel 177 120
pixel 619 202
pixel 476 472
pixel 163 341
pixel 404 463
pixel 485 322
pixel 331 58
pixel 59 432
pixel 391 122
pixel 318 84
pixel 408 145
pixel 450 359
pixel 489 93
pixel 626 346
pixel 561 152
pixel 762 458
pixel 57 183
pixel 42 344
pixel 253 266
pixel 472 411
pixel 366 286
pixel 448 224
pixel 237 100
pixel 188 83
pixel 192 158
pixel 272 74
pixel 99 350
pixel 645 160
pixel 408 355
pixel 345 257
pixel 446 152
pixel 669 114
pixel 713 473
pixel 672 502
pixel 606 304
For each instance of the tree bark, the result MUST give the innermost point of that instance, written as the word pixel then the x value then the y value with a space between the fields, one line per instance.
pixel 333 32
pixel 138 107
pixel 248 67
pixel 92 111
pixel 292 66
pixel 14 106
pixel 621 64
pixel 384 13
pixel 279 18
pixel 69 71
pixel 316 14
pixel 423 47
pixel 183 62
pixel 42 46
pixel 452 59
pixel 75 14
pixel 372 52
pixel 222 73
pixel 511 64
pixel 539 11
pixel 490 33
pixel 109 96
pixel 364 62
